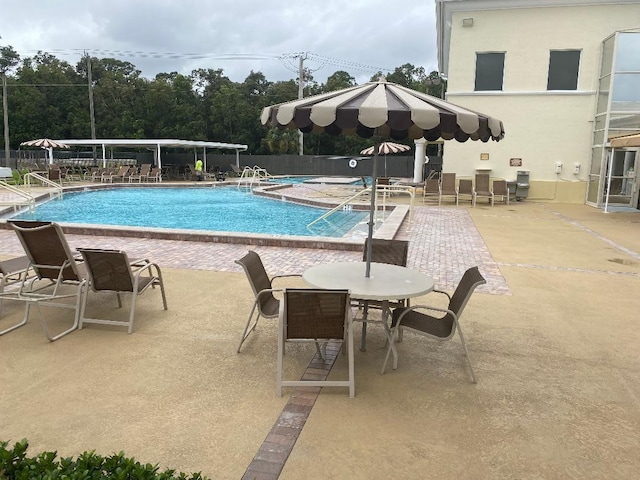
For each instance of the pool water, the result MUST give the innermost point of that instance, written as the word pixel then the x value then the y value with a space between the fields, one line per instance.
pixel 224 209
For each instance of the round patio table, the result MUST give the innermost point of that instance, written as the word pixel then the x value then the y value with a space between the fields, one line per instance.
pixel 386 282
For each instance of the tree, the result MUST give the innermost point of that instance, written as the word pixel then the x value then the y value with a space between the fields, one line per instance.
pixel 9 58
pixel 409 76
pixel 338 81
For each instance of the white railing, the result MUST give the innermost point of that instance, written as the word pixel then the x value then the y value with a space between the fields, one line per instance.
pixel 27 200
pixel 381 191
pixel 30 177
pixel 253 175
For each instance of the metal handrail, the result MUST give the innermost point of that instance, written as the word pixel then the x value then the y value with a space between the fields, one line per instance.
pixel 28 177
pixel 256 173
pixel 380 189
pixel 29 200
pixel 335 209
pixel 384 189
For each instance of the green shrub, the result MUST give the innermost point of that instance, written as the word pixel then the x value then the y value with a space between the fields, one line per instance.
pixel 16 465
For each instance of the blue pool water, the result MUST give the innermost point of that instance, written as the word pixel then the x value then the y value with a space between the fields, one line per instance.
pixel 225 209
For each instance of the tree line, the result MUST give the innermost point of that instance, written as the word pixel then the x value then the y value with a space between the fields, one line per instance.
pixel 48 97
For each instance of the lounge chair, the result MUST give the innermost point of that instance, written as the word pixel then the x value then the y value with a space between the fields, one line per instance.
pixel 465 187
pixel 155 175
pixel 501 190
pixel 415 319
pixel 448 187
pixel 483 188
pixel 265 303
pixel 431 188
pixel 111 271
pixel 12 272
pixel 143 174
pixel 108 175
pixel 59 276
pixel 237 171
pixel 308 315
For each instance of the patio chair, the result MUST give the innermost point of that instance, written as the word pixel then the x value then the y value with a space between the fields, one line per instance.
pixel 308 315
pixel 483 188
pixel 237 171
pixel 155 175
pixel 58 275
pixel 441 328
pixel 111 271
pixel 143 174
pixel 56 174
pixel 448 187
pixel 265 303
pixel 108 174
pixel 12 272
pixel 465 187
pixel 392 252
pixel 431 189
pixel 501 190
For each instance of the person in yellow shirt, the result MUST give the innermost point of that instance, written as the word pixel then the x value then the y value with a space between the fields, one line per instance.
pixel 199 173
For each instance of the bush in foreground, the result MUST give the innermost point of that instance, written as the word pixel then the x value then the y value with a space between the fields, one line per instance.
pixel 16 465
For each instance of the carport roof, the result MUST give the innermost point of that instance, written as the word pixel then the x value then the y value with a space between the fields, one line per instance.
pixel 153 142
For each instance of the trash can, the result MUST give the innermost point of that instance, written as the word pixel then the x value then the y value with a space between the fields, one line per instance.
pixel 522 185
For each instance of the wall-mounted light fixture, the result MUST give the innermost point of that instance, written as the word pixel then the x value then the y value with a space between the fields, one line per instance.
pixel 467 22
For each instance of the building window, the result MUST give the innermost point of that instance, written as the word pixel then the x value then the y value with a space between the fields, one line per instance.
pixel 489 71
pixel 563 70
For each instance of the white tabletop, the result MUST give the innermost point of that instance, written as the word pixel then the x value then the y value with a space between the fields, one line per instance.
pixel 386 282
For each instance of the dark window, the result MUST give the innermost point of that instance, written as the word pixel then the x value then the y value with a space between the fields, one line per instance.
pixel 489 71
pixel 563 70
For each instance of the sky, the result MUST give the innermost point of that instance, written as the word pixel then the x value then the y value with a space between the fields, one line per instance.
pixel 237 36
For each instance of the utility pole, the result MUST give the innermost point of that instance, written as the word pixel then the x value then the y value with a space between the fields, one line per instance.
pixel 91 110
pixel 5 116
pixel 301 59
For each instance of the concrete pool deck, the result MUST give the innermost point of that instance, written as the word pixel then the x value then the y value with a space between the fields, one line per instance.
pixel 553 339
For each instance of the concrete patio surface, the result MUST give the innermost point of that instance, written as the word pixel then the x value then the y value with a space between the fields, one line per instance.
pixel 553 338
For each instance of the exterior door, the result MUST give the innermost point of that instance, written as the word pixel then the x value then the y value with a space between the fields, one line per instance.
pixel 623 188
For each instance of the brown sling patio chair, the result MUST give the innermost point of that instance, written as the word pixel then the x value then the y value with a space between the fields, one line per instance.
pixel 442 328
pixel 310 315
pixel 431 189
pixel 448 187
pixel 58 275
pixel 465 187
pixel 483 188
pixel 265 303
pixel 111 271
pixel 393 252
pixel 501 190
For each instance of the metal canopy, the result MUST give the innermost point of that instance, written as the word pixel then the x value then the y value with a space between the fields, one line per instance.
pixel 155 144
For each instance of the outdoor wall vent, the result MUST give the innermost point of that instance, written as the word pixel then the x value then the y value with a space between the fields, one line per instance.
pixel 467 22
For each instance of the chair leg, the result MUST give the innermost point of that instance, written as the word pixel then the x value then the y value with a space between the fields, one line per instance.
pixel 391 347
pixel 248 331
pixel 466 353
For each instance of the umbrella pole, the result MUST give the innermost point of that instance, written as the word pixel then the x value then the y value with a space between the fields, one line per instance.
pixel 374 175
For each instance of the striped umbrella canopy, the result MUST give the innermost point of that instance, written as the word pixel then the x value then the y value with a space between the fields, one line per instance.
pixel 382 110
pixel 386 110
pixel 387 148
pixel 44 143
pixel 47 144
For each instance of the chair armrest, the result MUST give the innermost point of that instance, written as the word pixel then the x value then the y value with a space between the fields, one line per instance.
pixel 441 291
pixel 285 275
pixel 423 307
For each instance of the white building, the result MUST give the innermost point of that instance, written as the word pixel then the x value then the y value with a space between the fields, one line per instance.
pixel 563 76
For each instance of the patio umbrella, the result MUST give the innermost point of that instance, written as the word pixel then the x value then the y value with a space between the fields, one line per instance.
pixel 47 144
pixel 382 110
pixel 386 148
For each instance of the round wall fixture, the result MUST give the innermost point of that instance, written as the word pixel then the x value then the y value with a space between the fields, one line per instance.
pixel 353 163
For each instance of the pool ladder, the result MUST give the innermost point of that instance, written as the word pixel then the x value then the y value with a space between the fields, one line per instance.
pixel 253 175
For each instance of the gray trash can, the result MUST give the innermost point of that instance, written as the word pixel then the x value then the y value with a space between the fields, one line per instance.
pixel 522 185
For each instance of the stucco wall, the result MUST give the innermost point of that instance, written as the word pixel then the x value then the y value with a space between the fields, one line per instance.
pixel 541 127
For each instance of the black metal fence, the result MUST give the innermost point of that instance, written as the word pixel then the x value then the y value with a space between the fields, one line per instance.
pixel 391 165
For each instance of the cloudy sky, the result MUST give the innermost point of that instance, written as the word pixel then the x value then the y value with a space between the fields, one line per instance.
pixel 358 36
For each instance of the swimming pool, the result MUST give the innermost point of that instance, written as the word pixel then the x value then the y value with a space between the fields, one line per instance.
pixel 224 209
